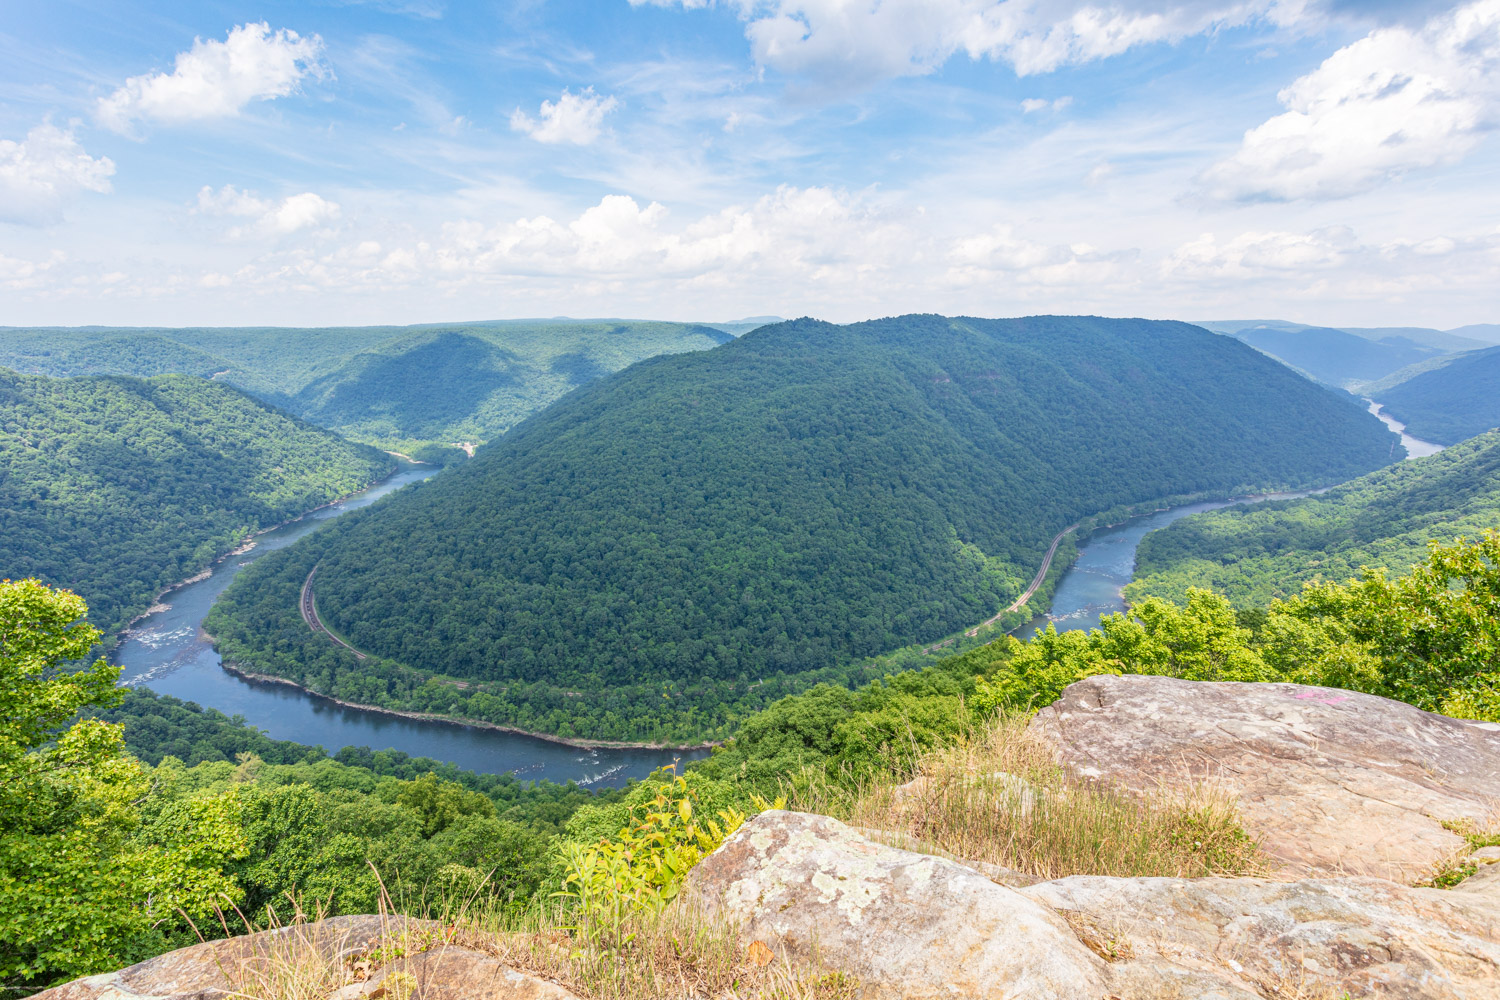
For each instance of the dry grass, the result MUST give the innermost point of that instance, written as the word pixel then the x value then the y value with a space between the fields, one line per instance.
pixel 678 954
pixel 999 796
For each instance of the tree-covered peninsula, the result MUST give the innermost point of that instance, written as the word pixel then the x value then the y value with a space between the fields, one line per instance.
pixel 668 547
pixel 1269 550
pixel 118 487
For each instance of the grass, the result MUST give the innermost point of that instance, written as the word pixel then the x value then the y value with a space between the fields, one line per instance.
pixel 1459 866
pixel 999 796
pixel 677 954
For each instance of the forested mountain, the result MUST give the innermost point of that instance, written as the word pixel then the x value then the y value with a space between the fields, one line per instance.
pixel 1450 402
pixel 1255 553
pixel 117 487
pixel 634 560
pixel 407 388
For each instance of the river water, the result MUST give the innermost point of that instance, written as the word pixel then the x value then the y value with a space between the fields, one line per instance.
pixel 1094 585
pixel 169 653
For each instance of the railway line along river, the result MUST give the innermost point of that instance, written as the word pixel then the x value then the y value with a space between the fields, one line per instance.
pixel 168 652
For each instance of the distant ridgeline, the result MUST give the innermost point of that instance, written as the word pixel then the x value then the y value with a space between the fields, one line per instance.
pixel 1446 402
pixel 1268 550
pixel 117 487
pixel 406 388
pixel 682 542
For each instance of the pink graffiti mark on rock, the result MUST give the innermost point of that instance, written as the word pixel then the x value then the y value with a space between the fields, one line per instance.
pixel 1315 696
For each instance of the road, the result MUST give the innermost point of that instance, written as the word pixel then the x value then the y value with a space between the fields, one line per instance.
pixel 310 615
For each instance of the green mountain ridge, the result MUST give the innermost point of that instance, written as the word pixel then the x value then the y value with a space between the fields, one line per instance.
pixel 774 509
pixel 417 389
pixel 1448 403
pixel 117 487
pixel 1258 552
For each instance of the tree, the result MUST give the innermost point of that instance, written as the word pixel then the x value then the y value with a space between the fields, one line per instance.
pixel 84 886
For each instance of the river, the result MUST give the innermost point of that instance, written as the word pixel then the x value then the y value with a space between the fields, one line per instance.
pixel 168 652
pixel 1094 585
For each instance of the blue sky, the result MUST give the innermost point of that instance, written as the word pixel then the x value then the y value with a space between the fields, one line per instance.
pixel 345 162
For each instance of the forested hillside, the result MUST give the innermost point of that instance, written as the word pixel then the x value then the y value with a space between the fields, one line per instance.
pixel 412 389
pixel 640 559
pixel 118 487
pixel 1269 550
pixel 1449 403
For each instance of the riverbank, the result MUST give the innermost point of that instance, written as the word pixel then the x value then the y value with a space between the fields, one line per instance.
pixel 241 547
pixel 576 743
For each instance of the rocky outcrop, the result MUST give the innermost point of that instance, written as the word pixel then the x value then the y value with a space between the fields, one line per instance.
pixel 913 926
pixel 1330 782
pixel 334 952
pixel 1254 938
pixel 903 924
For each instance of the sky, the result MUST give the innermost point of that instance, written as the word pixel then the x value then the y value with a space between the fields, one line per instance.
pixel 349 162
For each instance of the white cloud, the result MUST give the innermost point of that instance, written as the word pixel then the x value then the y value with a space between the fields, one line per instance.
pixel 1034 104
pixel 1397 100
pixel 217 79
pixel 1254 254
pixel 268 218
pixel 853 43
pixel 39 174
pixel 574 118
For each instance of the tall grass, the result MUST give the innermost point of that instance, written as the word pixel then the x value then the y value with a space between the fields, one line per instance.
pixel 999 796
pixel 675 954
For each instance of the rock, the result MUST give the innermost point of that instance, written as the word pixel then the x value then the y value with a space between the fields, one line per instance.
pixel 453 973
pixel 1330 782
pixel 911 926
pixel 1254 937
pixel 216 970
pixel 905 925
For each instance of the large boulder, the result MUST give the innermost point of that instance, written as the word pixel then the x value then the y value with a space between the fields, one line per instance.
pixel 913 926
pixel 1330 782
pixel 903 924
pixel 333 952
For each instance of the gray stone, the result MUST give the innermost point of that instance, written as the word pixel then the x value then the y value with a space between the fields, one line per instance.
pixel 1254 937
pixel 905 925
pixel 218 970
pixel 1330 782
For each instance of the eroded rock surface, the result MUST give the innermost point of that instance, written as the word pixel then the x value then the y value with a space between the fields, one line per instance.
pixel 244 966
pixel 913 926
pixel 905 925
pixel 1253 937
pixel 1331 782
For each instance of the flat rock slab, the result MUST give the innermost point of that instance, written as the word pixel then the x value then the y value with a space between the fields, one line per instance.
pixel 1323 937
pixel 905 925
pixel 1330 782
pixel 218 970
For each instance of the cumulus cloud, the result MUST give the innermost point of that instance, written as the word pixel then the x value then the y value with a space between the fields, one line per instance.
pixel 41 173
pixel 1254 254
pixel 217 79
pixel 267 218
pixel 1397 100
pixel 852 43
pixel 574 118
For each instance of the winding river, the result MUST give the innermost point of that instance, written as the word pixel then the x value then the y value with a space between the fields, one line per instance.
pixel 168 652
pixel 1094 585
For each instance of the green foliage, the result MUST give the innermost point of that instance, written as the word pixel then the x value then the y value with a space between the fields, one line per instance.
pixel 1431 639
pixel 642 866
pixel 1259 552
pixel 118 487
pixel 1202 642
pixel 416 390
pixel 1450 403
pixel 85 884
pixel 671 548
